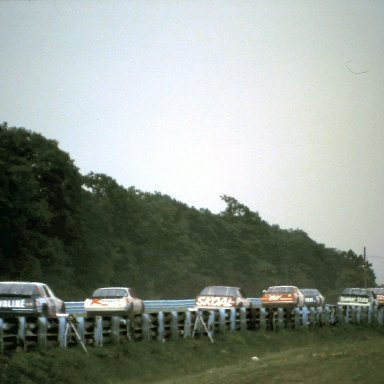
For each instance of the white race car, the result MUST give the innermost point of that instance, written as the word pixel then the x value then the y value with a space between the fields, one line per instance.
pixel 114 301
pixel 215 297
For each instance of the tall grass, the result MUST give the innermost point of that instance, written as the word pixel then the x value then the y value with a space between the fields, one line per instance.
pixel 326 355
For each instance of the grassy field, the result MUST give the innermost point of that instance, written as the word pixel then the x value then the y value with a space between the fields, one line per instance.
pixel 327 355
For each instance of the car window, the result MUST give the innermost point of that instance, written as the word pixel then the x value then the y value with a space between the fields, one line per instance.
pixel 26 290
pixel 109 293
pixel 356 292
pixel 308 292
pixel 217 291
pixel 281 289
pixel 47 291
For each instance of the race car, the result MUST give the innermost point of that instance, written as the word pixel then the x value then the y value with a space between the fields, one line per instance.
pixel 217 296
pixel 312 297
pixel 282 296
pixel 113 301
pixel 379 292
pixel 361 297
pixel 29 299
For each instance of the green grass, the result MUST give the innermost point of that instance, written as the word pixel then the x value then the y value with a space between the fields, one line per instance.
pixel 328 355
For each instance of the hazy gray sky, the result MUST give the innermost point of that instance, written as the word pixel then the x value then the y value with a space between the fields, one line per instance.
pixel 276 103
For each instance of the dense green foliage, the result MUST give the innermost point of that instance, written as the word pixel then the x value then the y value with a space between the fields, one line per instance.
pixel 323 355
pixel 78 232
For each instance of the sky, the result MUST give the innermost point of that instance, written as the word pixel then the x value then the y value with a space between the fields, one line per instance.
pixel 278 104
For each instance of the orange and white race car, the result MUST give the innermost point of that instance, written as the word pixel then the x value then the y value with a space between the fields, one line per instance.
pixel 113 301
pixel 282 296
pixel 379 292
pixel 216 297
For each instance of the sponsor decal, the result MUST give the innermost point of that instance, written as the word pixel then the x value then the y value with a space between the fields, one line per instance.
pixel 12 303
pixel 348 299
pixel 309 299
pixel 277 297
pixel 215 301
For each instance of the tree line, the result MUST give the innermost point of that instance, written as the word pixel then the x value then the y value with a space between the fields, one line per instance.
pixel 79 232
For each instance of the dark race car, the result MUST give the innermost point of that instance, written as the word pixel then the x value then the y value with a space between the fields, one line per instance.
pixel 379 292
pixel 312 297
pixel 28 299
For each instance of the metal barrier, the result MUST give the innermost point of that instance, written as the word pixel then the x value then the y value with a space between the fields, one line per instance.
pixel 33 333
pixel 77 307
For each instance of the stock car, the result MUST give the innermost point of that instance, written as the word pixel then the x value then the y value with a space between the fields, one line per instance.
pixel 379 292
pixel 312 297
pixel 218 296
pixel 361 297
pixel 29 299
pixel 114 301
pixel 282 296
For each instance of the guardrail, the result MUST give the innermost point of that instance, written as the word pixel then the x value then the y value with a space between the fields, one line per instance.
pixel 71 330
pixel 77 307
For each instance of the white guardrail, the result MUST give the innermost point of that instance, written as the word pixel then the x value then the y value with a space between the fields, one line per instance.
pixel 77 307
pixel 170 319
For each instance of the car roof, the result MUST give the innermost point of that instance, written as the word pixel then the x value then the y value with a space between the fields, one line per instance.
pixel 221 286
pixel 22 282
pixel 283 286
pixel 113 288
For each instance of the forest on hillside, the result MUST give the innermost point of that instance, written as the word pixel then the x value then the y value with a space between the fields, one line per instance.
pixel 79 232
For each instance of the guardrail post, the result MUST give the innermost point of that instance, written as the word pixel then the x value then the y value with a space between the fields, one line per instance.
pixel 243 318
pixel 98 331
pixel 174 325
pixel 320 316
pixel 221 312
pixel 80 323
pixel 115 329
pixel 187 324
pixel 145 326
pixel 21 332
pixel 211 322
pixel 280 317
pixel 42 332
pixel 232 318
pixel 372 315
pixel 263 319
pixel 380 315
pixel 1 336
pixel 312 316
pixel 62 336
pixel 160 326
pixel 296 317
pixel 304 316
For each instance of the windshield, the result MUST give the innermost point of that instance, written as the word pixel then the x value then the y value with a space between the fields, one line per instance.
pixel 378 291
pixel 25 290
pixel 356 291
pixel 220 291
pixel 110 292
pixel 282 289
pixel 309 292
